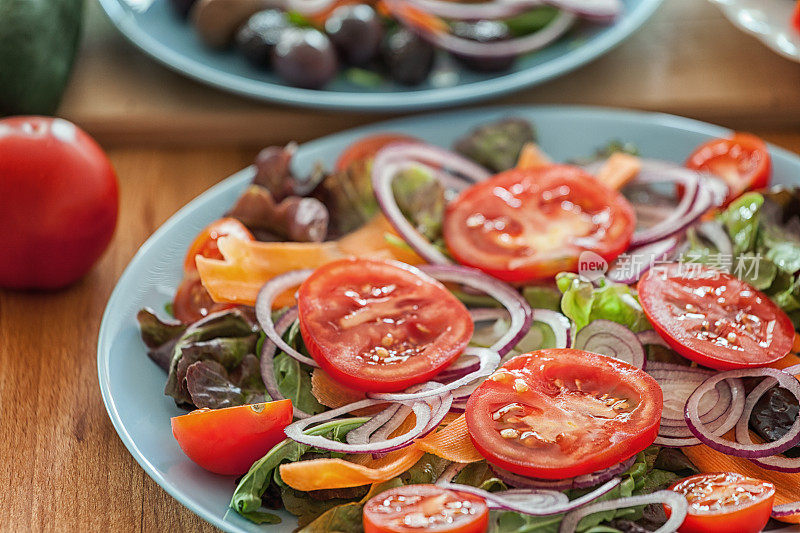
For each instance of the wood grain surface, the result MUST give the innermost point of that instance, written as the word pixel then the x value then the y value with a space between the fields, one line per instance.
pixel 67 468
pixel 687 60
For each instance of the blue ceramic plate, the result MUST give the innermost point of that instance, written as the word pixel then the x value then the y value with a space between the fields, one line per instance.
pixel 161 34
pixel 133 386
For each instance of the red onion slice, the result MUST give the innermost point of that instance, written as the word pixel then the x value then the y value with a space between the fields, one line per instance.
pixel 422 410
pixel 489 361
pixel 534 502
pixel 716 234
pixel 677 503
pixel 652 338
pixel 397 157
pixel 749 451
pixel 518 308
pixel 599 10
pixel 558 323
pixel 266 296
pixel 268 349
pixel 675 443
pixel 580 482
pixel 362 434
pixel 786 509
pixel 613 340
pixel 512 47
pixel 450 472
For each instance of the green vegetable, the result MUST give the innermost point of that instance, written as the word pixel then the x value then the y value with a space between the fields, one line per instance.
pixel 542 297
pixel 741 221
pixel 426 470
pixel 247 497
pixel 420 197
pixel 497 145
pixel 347 518
pixel 531 21
pixel 582 302
pixel 363 77
pixel 154 331
pixel 294 378
pixel 38 42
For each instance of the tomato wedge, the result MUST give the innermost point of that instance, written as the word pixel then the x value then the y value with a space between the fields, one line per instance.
pixel 380 326
pixel 366 148
pixel 529 224
pixel 414 508
pixel 228 441
pixel 714 318
pixel 557 414
pixel 743 161
pixel 725 503
pixel 205 244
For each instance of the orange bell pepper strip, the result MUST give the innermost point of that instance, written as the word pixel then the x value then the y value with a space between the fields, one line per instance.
pixel 247 265
pixel 618 170
pixel 531 156
pixel 452 443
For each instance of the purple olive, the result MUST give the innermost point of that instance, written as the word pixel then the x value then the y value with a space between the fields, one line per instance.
pixel 304 57
pixel 408 58
pixel 258 36
pixel 356 31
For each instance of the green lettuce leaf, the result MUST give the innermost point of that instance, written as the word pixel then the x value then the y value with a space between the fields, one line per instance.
pixel 583 302
pixel 741 221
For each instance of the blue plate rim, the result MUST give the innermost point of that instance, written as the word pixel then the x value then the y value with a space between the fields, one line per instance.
pixel 386 102
pixel 662 119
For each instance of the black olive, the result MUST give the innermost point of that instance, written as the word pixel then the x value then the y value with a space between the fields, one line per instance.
pixel 258 36
pixel 356 31
pixel 182 7
pixel 773 416
pixel 484 31
pixel 305 57
pixel 409 58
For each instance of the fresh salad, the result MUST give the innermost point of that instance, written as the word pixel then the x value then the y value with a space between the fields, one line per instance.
pixel 420 339
pixel 308 42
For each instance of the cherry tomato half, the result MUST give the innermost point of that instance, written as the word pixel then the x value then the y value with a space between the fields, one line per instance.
pixel 60 200
pixel 725 503
pixel 228 441
pixel 415 508
pixel 205 243
pixel 366 148
pixel 557 414
pixel 714 318
pixel 528 224
pixel 743 161
pixel 192 301
pixel 380 326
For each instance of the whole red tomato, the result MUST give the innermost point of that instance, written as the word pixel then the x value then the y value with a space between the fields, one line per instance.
pixel 59 199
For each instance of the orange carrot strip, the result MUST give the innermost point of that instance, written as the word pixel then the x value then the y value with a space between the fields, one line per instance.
pixel 318 474
pixel 618 170
pixel 420 19
pixel 452 443
pixel 531 156
pixel 250 264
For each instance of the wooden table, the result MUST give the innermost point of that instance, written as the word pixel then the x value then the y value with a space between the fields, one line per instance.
pixel 68 469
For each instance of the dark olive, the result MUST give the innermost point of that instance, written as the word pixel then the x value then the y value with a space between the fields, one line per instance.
pixel 258 36
pixel 305 57
pixel 408 58
pixel 484 31
pixel 356 31
pixel 182 7
pixel 773 416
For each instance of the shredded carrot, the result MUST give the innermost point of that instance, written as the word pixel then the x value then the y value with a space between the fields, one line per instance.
pixel 452 443
pixel 333 394
pixel 318 474
pixel 531 156
pixel 618 170
pixel 420 19
pixel 247 265
pixel 790 359
pixel 796 343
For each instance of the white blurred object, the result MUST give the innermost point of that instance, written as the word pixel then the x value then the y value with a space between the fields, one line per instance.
pixel 769 20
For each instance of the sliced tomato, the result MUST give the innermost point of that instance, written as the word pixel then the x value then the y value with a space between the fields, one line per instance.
pixel 743 161
pixel 714 318
pixel 205 244
pixel 366 148
pixel 192 301
pixel 380 326
pixel 228 441
pixel 528 224
pixel 557 414
pixel 414 508
pixel 725 503
pixel 796 16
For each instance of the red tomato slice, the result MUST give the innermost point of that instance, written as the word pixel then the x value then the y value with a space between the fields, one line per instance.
pixel 205 243
pixel 366 148
pixel 415 508
pixel 714 318
pixel 380 326
pixel 725 503
pixel 796 17
pixel 192 301
pixel 557 414
pixel 743 161
pixel 228 441
pixel 527 224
